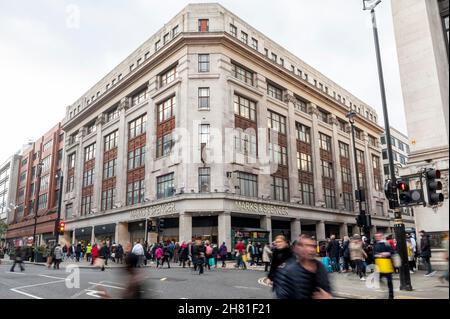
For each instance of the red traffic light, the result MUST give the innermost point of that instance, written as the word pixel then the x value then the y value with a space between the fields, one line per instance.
pixel 402 186
pixel 61 227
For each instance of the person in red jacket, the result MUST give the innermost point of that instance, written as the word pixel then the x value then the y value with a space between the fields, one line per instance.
pixel 240 251
pixel 94 253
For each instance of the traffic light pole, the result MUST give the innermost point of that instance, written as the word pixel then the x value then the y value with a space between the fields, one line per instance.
pixel 399 226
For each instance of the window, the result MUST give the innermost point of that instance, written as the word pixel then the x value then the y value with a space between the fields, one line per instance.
pixel 303 133
pixel 392 141
pixel 146 56
pixel 204 179
pixel 346 175
pixel 274 57
pixel 327 169
pixel 342 125
pixel 330 198
pixel 402 160
pixel 168 76
pixel 383 140
pixel 307 193
pixel 112 114
pixel 203 98
pixel 43 201
pixel 108 197
pixel 300 105
pixel 88 177
pixel 46 163
pixel 386 169
pixel 71 160
pixel 233 30
pixel 136 158
pixel 164 186
pixel 111 141
pixel 89 152
pixel 282 61
pixel 266 52
pixel 304 162
pixel 137 127
pixel 358 134
pixel 242 74
pixel 372 141
pixel 86 205
pixel 139 97
pixel 348 201
pixel 109 169
pixel 166 110
pixel 21 195
pixel 401 146
pixel 245 108
pixel 274 92
pixel 70 183
pixel 69 211
pixel 44 183
pixel 166 38
pixel 22 178
pixel 244 37
pixel 203 134
pixel 203 25
pixel 380 208
pixel 344 150
pixel 324 115
pixel 360 157
pixel 325 142
pixel 91 128
pixel 135 192
pixel 384 154
pixel 157 45
pixel 254 44
pixel 175 31
pixel 278 154
pixel 203 63
pixel 280 189
pixel 276 122
pixel 164 145
pixel 245 143
pixel 48 145
pixel 119 77
pixel 247 184
pixel 407 149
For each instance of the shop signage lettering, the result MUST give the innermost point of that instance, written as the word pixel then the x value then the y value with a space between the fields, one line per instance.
pixel 151 211
pixel 262 208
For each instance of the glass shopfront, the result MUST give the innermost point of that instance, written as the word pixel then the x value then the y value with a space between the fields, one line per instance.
pixel 137 231
pixel 105 233
pixel 83 235
pixel 205 228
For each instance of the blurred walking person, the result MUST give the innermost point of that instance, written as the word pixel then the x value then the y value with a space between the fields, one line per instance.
pixel 425 252
pixel 358 255
pixel 223 253
pixel 184 254
pixel 266 256
pixel 94 253
pixel 88 252
pixel 119 254
pixel 302 276
pixel 239 250
pixel 445 247
pixel 208 255
pixel 383 252
pixel 198 256
pixel 333 250
pixel 138 250
pixel 167 255
pixel 20 254
pixel 159 253
pixel 346 253
pixel 281 254
pixel 58 255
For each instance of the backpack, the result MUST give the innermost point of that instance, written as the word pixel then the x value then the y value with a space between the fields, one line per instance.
pixel 209 250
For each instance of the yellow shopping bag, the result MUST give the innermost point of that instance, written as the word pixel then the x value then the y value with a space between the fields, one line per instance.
pixel 244 258
pixel 384 265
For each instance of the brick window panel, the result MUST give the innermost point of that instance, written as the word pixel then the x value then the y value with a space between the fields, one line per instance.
pixel 243 123
pixel 282 171
pixel 328 182
pixel 110 155
pixel 87 191
pixel 136 175
pixel 165 127
pixel 305 177
pixel 326 156
pixel 137 142
pixel 109 183
pixel 203 25
pixel 303 147
pixel 89 164
pixel 347 188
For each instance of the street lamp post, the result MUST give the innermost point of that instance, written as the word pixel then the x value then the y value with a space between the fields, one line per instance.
pixel 351 118
pixel 36 205
pixel 399 226
pixel 61 178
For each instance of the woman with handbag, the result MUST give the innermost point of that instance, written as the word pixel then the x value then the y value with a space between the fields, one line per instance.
pixel 383 252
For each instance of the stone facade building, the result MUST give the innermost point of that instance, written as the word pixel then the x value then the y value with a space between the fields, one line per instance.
pixel 222 132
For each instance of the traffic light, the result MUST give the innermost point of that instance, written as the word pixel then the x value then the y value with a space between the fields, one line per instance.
pixel 403 193
pixel 149 226
pixel 363 220
pixel 391 194
pixel 432 186
pixel 161 224
pixel 61 228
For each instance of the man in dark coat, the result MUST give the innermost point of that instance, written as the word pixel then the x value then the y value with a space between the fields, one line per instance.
pixel 333 251
pixel 425 252
pixel 281 254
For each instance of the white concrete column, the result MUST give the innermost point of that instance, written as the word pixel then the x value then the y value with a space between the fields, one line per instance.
pixel 185 227
pixel 318 187
pixel 320 230
pixel 122 235
pixel 266 223
pixel 92 236
pixel 343 230
pixel 296 229
pixel 78 179
pixel 122 157
pixel 98 171
pixel 73 237
pixel 294 193
pixel 337 165
pixel 224 225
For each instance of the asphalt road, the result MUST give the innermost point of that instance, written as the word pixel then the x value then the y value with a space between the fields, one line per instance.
pixel 38 282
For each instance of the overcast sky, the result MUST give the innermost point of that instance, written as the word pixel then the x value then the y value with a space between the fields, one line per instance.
pixel 48 59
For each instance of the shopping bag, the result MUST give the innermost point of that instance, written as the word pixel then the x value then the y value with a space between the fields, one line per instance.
pixel 327 263
pixel 211 262
pixel 384 265
pixel 244 258
pixel 397 261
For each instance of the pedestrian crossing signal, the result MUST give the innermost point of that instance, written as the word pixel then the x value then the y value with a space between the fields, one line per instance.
pixel 61 228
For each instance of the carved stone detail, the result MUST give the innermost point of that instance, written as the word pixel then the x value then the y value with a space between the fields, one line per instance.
pixel 100 120
pixel 289 98
pixel 124 104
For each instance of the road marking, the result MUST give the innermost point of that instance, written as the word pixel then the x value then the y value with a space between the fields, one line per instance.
pixel 262 281
pixel 52 277
pixel 13 272
pixel 162 279
pixel 109 286
pixel 26 294
pixel 242 287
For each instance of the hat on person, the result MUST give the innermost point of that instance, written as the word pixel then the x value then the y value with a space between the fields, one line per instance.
pixel 356 236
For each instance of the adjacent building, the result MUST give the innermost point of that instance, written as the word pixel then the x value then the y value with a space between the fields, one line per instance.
pixel 224 134
pixel 38 171
pixel 421 32
pixel 400 151
pixel 8 186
